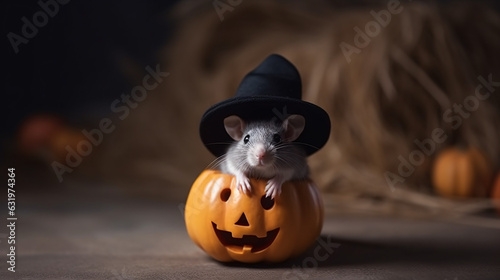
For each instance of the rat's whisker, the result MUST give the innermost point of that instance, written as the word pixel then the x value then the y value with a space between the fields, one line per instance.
pixel 242 165
pixel 285 146
pixel 216 163
pixel 306 144
pixel 291 161
pixel 286 162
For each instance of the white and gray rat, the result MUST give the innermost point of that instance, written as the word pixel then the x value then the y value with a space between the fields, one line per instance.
pixel 265 150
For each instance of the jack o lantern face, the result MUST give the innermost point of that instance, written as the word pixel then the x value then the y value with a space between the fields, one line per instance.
pixel 246 243
pixel 230 225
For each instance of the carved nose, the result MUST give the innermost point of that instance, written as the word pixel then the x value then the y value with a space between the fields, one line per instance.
pixel 242 221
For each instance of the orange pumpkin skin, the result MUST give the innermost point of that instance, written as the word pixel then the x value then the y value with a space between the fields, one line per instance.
pixel 211 215
pixel 35 133
pixel 462 173
pixel 495 194
pixel 64 138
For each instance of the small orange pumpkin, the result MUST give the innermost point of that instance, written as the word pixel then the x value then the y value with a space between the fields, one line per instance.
pixel 232 226
pixel 459 173
pixel 35 133
pixel 62 140
pixel 495 194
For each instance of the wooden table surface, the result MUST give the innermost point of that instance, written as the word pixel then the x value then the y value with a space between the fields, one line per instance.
pixel 84 231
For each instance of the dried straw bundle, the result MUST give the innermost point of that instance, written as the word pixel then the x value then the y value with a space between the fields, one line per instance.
pixel 394 91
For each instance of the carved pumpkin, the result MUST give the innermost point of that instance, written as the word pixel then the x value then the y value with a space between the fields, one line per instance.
pixel 232 226
pixel 461 173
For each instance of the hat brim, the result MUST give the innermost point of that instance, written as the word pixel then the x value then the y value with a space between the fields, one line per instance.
pixel 254 108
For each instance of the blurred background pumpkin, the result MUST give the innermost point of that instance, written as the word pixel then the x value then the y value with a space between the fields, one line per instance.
pixel 460 173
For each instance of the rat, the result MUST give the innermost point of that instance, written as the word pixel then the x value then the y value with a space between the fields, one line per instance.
pixel 265 150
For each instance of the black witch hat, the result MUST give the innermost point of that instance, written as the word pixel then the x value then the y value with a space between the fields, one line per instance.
pixel 272 90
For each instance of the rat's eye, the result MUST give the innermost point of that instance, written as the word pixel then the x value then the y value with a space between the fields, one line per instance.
pixel 246 139
pixel 276 139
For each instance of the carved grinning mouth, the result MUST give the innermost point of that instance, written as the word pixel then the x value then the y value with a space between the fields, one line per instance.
pixel 239 245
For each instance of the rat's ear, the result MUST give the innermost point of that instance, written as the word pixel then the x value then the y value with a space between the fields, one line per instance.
pixel 293 126
pixel 234 126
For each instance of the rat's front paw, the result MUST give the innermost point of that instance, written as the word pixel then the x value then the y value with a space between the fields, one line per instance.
pixel 243 184
pixel 273 187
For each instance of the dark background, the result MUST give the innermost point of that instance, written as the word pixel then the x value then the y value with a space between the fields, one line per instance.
pixel 73 66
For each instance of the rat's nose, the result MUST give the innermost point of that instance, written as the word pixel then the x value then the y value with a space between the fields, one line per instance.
pixel 260 153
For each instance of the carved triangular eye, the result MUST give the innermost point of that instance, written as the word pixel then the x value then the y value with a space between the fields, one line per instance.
pixel 242 221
